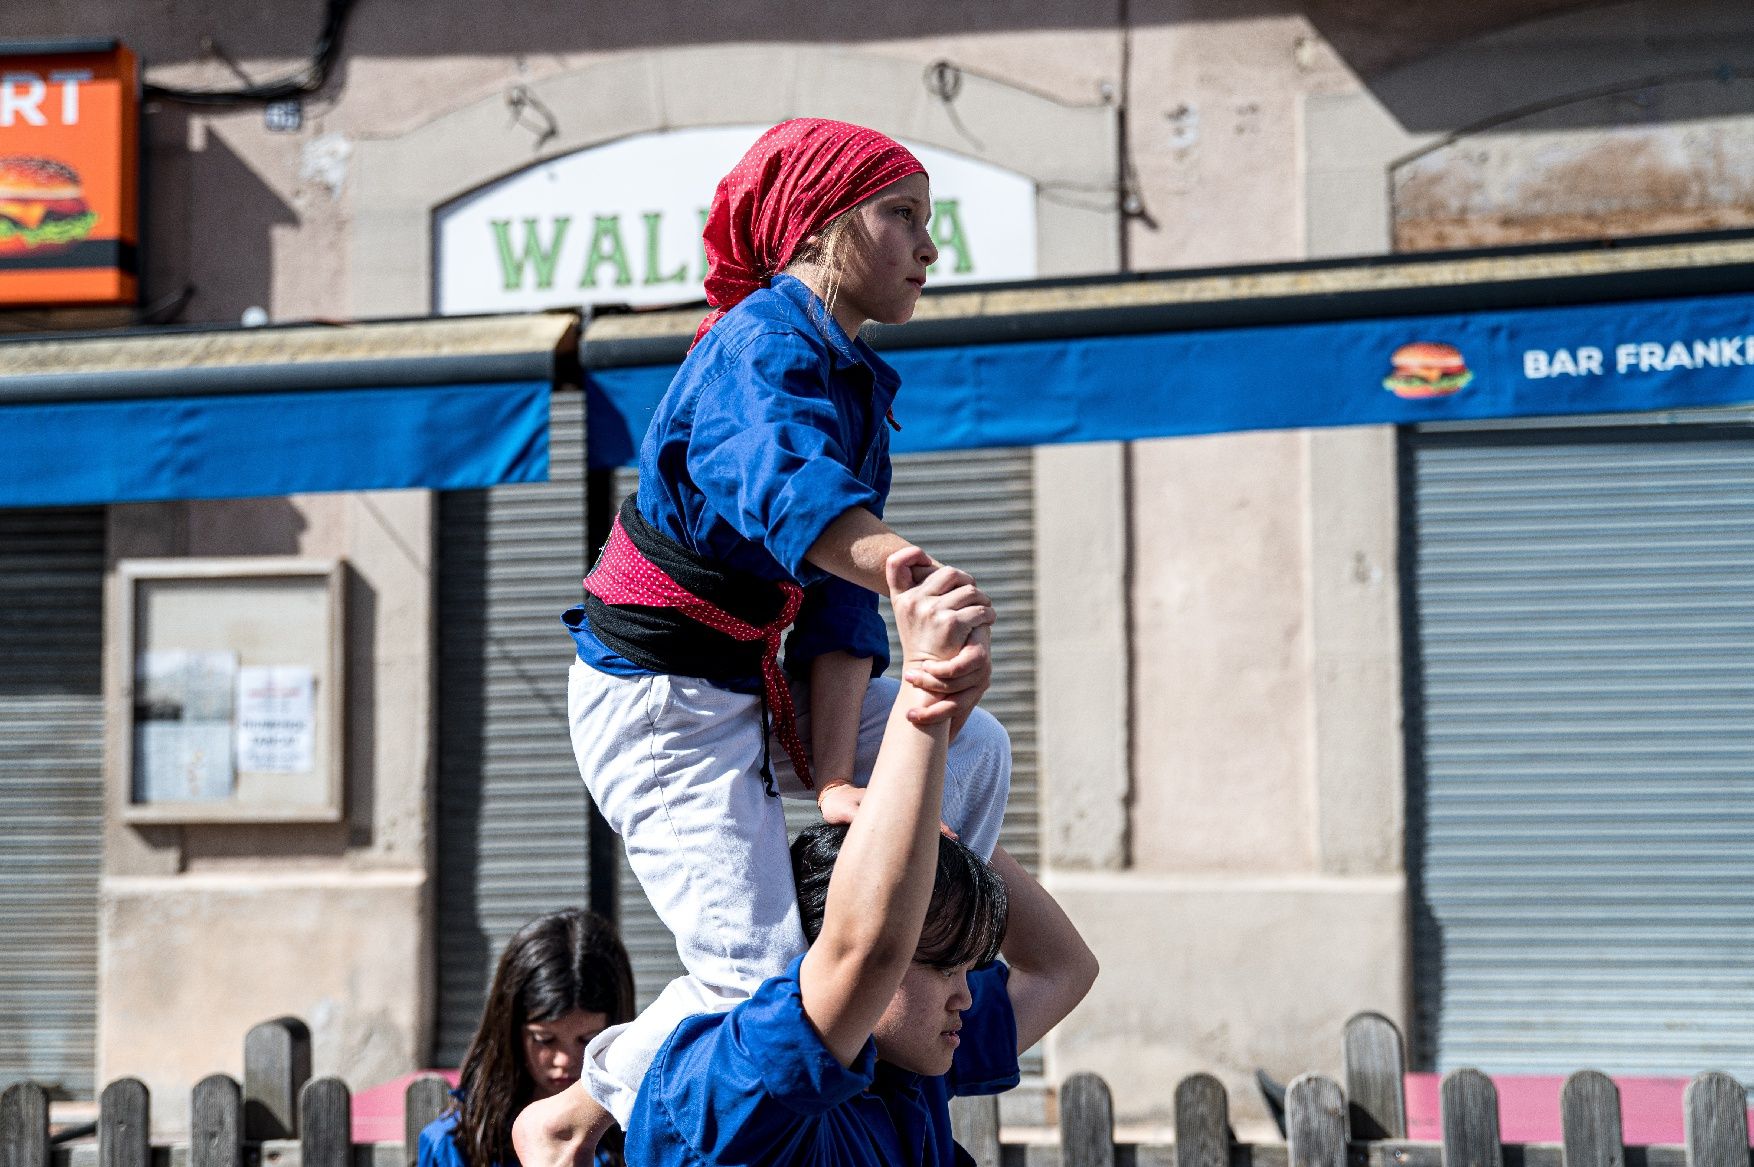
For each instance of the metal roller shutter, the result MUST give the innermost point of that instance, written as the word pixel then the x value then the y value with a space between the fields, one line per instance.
pixel 1581 729
pixel 972 508
pixel 51 793
pixel 512 813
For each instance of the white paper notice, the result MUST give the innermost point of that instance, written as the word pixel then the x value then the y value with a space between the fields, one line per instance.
pixel 276 719
pixel 182 726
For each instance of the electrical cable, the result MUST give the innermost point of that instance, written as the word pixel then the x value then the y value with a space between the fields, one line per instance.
pixel 306 81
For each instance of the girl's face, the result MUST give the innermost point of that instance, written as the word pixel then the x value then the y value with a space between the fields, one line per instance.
pixel 891 249
pixel 554 1051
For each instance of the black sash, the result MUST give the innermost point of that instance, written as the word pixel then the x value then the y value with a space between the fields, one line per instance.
pixel 668 640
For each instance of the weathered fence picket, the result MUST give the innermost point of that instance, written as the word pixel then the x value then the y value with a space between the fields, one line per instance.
pixel 1315 1122
pixel 24 1126
pixel 216 1123
pixel 325 1117
pixel 277 1064
pixel 124 1125
pixel 1087 1123
pixel 1362 1125
pixel 1716 1122
pixel 974 1123
pixel 1376 1077
pixel 1470 1121
pixel 1589 1119
pixel 424 1100
pixel 1202 1122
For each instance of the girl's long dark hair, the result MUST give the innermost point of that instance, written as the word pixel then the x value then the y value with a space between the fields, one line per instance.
pixel 555 964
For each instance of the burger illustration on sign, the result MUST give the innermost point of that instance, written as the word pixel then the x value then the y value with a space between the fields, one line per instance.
pixel 42 205
pixel 1425 369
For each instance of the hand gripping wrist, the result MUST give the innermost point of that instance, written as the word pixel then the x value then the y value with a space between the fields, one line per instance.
pixel 822 788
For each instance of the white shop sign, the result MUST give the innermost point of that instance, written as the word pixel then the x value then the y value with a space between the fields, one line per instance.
pixel 620 224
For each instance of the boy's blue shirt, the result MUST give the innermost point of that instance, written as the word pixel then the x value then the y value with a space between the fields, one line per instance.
pixel 756 1086
pixel 772 428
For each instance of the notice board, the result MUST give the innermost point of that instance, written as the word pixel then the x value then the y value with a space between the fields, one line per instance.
pixel 230 705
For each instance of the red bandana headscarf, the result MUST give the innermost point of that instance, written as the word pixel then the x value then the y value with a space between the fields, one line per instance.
pixel 797 177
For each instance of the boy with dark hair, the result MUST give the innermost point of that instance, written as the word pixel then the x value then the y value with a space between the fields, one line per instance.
pixel 852 1054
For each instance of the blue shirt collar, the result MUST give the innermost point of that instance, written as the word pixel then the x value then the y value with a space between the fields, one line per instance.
pixel 847 350
pixel 890 1079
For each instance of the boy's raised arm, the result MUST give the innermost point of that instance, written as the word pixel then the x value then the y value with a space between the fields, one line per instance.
pixel 882 881
pixel 1051 966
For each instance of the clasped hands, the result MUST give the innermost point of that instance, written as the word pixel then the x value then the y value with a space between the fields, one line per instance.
pixel 945 625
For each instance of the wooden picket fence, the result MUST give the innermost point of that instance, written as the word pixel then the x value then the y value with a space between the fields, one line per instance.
pixel 281 1117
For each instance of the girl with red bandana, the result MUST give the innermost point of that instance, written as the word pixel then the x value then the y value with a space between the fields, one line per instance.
pixel 759 516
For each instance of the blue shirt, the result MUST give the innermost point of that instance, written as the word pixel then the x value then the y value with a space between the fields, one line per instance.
pixel 773 427
pixel 756 1086
pixel 438 1143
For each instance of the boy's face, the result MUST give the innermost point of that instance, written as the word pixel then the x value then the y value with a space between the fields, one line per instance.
pixel 887 267
pixel 919 1031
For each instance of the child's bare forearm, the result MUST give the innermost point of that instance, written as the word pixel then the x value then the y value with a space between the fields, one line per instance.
pixel 855 547
pixel 837 698
pixel 561 1130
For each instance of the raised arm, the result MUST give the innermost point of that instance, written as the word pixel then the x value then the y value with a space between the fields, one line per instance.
pixel 1051 966
pixel 882 880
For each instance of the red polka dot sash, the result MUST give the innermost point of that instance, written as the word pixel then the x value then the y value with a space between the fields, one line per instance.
pixel 624 575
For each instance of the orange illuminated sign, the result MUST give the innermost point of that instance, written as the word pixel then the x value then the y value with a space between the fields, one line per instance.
pixel 69 175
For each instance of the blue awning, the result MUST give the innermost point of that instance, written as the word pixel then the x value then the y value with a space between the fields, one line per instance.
pixel 1621 356
pixel 438 404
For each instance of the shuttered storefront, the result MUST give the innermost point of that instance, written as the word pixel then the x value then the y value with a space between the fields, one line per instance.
pixel 51 793
pixel 972 508
pixel 512 812
pixel 1581 746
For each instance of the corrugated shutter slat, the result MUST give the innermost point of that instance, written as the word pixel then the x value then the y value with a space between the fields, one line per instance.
pixel 512 812
pixel 51 793
pixel 1581 811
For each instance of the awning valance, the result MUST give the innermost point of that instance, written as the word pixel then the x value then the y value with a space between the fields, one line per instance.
pixel 440 403
pixel 1545 331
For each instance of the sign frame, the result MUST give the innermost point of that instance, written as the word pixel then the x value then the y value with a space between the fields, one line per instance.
pixel 70 119
pixel 217 607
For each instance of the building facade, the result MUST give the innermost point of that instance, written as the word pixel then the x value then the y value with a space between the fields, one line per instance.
pixel 1274 753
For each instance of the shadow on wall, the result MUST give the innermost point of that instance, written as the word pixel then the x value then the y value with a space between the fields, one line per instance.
pixel 209 220
pixel 1515 67
pixel 1425 931
pixel 1370 35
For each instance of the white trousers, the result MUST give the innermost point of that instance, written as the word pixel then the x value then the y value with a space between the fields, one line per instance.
pixel 673 764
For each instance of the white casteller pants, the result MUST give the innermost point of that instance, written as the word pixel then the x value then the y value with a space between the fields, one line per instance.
pixel 673 764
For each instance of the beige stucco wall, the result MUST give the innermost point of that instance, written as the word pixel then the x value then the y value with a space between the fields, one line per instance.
pixel 191 961
pixel 207 930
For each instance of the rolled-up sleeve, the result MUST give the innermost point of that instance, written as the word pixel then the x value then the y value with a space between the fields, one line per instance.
pixel 768 454
pixel 838 616
pixel 986 1061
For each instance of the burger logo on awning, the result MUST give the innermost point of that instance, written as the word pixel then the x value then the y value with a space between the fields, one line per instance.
pixel 1427 369
pixel 42 205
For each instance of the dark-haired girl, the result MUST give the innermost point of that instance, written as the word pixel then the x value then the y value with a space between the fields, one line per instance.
pixel 562 979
